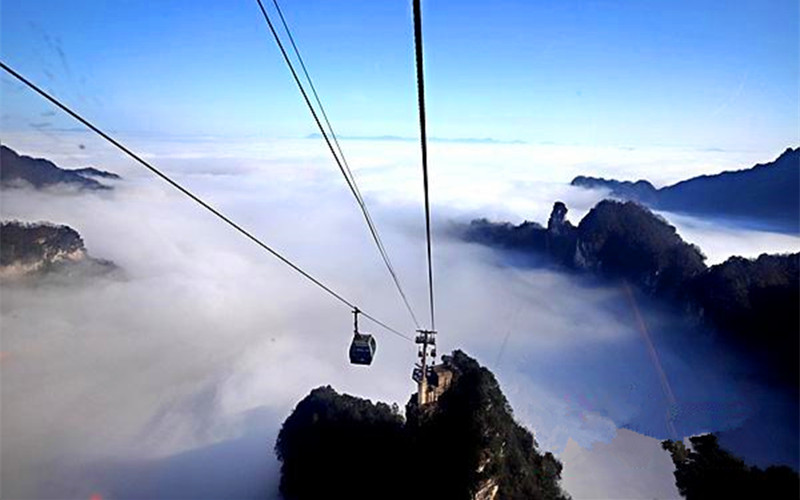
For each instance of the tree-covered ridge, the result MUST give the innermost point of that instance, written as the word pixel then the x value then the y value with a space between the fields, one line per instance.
pixel 23 243
pixel 339 446
pixel 704 471
pixel 615 240
pixel 756 300
pixel 20 170
pixel 44 249
pixel 466 445
pixel 477 446
pixel 626 240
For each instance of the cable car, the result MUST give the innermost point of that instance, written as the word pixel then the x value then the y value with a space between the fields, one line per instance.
pixel 416 375
pixel 362 349
pixel 363 346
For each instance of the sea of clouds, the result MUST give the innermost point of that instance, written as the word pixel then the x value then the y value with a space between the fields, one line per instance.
pixel 171 378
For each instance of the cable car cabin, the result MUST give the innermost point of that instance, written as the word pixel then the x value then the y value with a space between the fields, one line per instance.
pixel 362 349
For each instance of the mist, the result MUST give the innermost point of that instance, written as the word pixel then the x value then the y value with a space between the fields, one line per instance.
pixel 171 378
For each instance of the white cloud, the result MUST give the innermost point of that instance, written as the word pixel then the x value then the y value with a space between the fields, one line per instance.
pixel 206 328
pixel 720 239
pixel 628 466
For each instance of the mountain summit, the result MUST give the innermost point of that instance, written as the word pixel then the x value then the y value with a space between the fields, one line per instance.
pixel 35 249
pixel 464 445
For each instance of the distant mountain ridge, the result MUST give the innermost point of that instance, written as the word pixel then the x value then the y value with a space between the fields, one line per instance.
pixel 769 192
pixel 93 172
pixel 399 138
pixel 20 170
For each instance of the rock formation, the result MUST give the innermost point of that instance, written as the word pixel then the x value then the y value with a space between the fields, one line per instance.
pixel 465 445
pixel 35 249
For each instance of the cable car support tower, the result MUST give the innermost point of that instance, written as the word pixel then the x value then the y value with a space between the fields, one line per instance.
pixel 423 373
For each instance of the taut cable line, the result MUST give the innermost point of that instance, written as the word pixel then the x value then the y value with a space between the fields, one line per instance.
pixel 329 135
pixel 195 198
pixel 424 145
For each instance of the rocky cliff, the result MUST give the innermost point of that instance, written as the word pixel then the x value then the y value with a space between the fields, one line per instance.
pixel 466 445
pixel 622 240
pixel 32 249
pixel 476 448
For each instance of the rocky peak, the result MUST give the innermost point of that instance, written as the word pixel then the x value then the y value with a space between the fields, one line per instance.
pixel 464 446
pixel 557 219
pixel 22 243
pixel 35 248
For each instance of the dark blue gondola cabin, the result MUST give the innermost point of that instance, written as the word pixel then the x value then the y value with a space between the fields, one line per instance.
pixel 362 349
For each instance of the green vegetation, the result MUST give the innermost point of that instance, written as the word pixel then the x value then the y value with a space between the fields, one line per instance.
pixel 339 446
pixel 706 471
pixel 34 243
pixel 471 439
pixel 756 302
pixel 626 240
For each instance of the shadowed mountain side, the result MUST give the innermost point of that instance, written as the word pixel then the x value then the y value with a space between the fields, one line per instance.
pixel 753 304
pixel 627 241
pixel 767 192
pixel 757 301
pixel 476 448
pixel 704 470
pixel 351 447
pixel 466 445
pixel 20 171
pixel 615 240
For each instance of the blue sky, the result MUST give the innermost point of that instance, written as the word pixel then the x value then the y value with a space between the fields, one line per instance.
pixel 676 73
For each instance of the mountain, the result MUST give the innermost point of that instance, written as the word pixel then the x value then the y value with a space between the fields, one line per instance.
pixel 93 172
pixel 767 192
pixel 476 448
pixel 347 444
pixel 619 240
pixel 19 171
pixel 756 302
pixel 704 470
pixel 752 303
pixel 464 445
pixel 35 249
